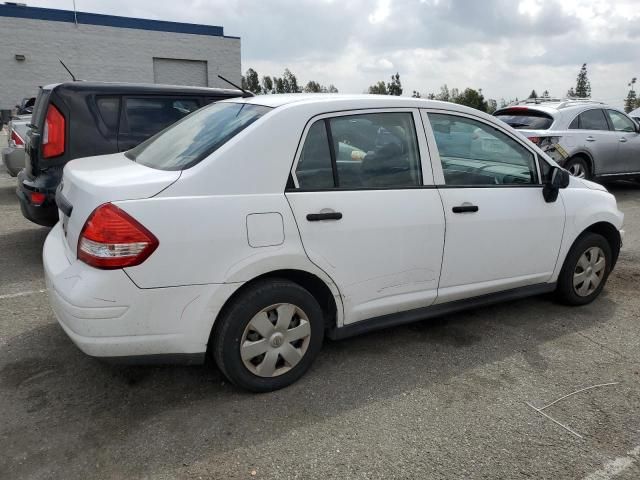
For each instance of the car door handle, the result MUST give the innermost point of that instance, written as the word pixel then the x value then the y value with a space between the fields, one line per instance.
pixel 316 217
pixel 465 209
pixel 590 139
pixel 623 139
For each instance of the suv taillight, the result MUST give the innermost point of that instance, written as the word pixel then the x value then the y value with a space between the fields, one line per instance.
pixel 111 238
pixel 53 135
pixel 16 139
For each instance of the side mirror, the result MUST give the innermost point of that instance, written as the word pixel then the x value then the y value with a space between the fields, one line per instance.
pixel 559 178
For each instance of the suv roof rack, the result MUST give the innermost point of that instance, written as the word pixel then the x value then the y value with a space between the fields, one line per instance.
pixel 562 102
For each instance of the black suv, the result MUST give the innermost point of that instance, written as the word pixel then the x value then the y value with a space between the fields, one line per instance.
pixel 82 119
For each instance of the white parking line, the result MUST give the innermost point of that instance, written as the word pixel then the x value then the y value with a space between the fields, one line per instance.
pixel 616 467
pixel 21 294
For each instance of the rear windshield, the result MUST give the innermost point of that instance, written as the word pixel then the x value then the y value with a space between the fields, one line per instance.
pixel 525 119
pixel 195 137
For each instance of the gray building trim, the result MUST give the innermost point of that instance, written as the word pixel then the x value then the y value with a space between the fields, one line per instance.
pixel 68 16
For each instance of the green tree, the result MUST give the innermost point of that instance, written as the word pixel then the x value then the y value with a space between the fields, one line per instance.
pixel 395 86
pixel 243 82
pixel 631 102
pixel 252 82
pixel 290 82
pixel 278 85
pixel 533 94
pixel 379 88
pixel 472 98
pixel 571 93
pixel 416 94
pixel 444 94
pixel 267 84
pixel 332 88
pixel 492 106
pixel 313 87
pixel 431 96
pixel 583 86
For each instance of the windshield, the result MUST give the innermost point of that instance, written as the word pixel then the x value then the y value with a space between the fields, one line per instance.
pixel 196 136
pixel 525 119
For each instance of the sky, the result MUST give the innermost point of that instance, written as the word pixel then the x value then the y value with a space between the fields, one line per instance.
pixel 505 47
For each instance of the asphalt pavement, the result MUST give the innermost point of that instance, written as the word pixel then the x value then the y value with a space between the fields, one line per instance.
pixel 447 398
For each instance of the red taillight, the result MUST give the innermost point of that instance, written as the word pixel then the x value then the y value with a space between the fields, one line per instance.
pixel 16 139
pixel 111 238
pixel 535 140
pixel 37 198
pixel 53 135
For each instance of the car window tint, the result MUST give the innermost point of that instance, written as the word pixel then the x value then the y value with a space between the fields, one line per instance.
pixel 150 115
pixel 620 122
pixel 591 120
pixel 377 150
pixel 109 108
pixel 474 153
pixel 314 170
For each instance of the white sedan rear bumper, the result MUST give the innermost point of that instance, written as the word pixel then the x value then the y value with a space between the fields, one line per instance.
pixel 107 315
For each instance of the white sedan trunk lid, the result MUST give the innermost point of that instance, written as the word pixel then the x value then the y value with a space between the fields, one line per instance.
pixel 90 182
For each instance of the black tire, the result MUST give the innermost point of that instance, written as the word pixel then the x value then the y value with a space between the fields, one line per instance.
pixel 579 164
pixel 230 327
pixel 566 292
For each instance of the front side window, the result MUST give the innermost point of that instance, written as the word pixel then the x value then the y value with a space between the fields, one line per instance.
pixel 620 122
pixel 474 153
pixel 590 120
pixel 192 139
pixel 377 150
pixel 152 114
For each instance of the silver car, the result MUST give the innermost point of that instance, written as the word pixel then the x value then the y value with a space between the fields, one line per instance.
pixel 589 139
pixel 13 155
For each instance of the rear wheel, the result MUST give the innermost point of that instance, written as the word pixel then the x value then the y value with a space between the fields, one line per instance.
pixel 585 270
pixel 269 335
pixel 578 167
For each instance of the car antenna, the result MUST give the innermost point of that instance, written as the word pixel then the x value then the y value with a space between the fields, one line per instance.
pixel 246 93
pixel 65 67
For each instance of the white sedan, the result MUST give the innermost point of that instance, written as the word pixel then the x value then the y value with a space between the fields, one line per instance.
pixel 253 228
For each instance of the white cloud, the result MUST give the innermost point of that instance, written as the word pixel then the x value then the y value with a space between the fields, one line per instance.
pixel 505 47
pixel 381 13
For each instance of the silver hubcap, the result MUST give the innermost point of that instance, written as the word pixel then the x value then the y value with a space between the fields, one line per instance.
pixel 577 170
pixel 275 340
pixel 589 271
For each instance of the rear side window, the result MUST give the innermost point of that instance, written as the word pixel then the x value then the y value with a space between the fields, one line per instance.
pixel 620 122
pixel 314 170
pixel 150 115
pixel 590 120
pixel 525 118
pixel 192 139
pixel 377 150
pixel 109 108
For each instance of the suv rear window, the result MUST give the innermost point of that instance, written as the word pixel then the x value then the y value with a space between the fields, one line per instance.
pixel 152 114
pixel 526 119
pixel 197 136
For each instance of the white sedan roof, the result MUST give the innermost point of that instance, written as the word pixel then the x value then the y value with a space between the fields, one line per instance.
pixel 353 101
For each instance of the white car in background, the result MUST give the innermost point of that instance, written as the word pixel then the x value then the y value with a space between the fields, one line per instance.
pixel 254 227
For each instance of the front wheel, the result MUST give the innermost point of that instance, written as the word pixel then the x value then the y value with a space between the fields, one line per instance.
pixel 268 336
pixel 585 270
pixel 578 167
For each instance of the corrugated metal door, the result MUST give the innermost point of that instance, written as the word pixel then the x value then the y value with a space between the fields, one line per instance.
pixel 175 71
